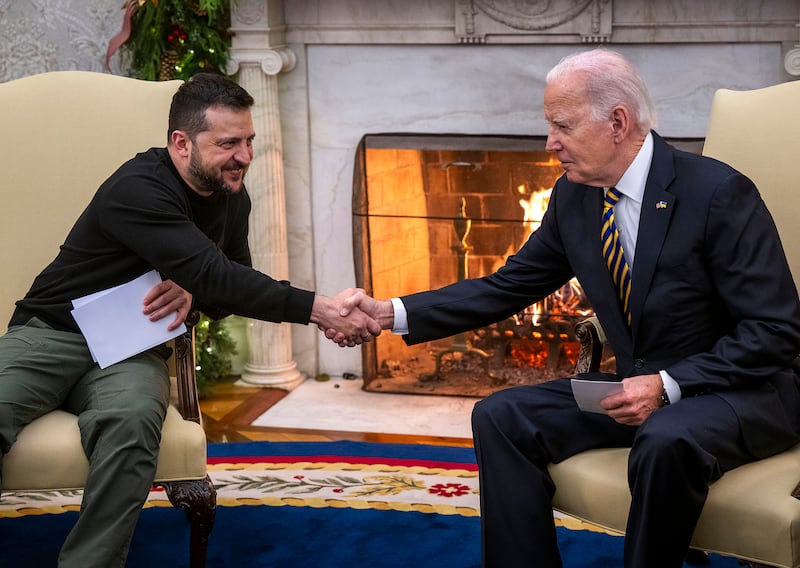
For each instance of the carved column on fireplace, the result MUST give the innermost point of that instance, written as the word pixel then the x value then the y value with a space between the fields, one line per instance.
pixel 258 63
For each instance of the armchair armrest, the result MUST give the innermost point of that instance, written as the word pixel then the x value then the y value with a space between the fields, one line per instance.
pixel 591 337
pixel 188 403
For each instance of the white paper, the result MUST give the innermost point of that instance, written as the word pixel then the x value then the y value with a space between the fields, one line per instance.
pixel 113 323
pixel 588 394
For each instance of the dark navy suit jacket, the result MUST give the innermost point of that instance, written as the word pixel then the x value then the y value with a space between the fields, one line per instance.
pixel 713 301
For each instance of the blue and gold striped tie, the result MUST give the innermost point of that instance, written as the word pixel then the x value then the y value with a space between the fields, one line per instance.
pixel 613 253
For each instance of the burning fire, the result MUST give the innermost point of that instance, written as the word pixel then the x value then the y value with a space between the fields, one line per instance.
pixel 534 205
pixel 537 353
pixel 540 336
pixel 569 299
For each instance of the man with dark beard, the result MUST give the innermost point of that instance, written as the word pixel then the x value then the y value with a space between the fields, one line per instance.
pixel 183 211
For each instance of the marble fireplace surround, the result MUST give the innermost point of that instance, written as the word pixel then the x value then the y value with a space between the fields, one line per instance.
pixel 326 72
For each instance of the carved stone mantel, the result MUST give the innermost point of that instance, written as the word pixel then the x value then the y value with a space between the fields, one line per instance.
pixel 587 21
pixel 258 62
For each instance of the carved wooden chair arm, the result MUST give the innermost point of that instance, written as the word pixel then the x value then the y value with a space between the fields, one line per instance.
pixel 591 337
pixel 188 403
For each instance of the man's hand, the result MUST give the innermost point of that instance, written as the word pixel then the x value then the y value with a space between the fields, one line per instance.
pixel 382 311
pixel 167 298
pixel 639 398
pixel 347 328
pixel 355 300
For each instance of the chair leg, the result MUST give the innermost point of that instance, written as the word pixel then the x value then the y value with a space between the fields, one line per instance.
pixel 198 499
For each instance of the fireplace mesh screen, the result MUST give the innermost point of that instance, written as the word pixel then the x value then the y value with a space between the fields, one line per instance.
pixel 432 209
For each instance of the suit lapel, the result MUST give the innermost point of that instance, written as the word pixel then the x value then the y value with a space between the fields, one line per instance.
pixel 657 207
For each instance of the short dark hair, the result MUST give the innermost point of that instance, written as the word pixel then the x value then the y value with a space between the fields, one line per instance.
pixel 200 92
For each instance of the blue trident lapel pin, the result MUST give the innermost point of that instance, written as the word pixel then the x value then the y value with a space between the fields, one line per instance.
pixel 661 205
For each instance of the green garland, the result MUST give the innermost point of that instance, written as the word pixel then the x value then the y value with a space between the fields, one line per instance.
pixel 175 39
pixel 214 347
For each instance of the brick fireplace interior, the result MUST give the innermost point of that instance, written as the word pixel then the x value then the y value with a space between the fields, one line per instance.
pixel 432 209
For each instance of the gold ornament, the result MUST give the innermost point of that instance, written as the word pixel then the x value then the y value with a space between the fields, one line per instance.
pixel 169 60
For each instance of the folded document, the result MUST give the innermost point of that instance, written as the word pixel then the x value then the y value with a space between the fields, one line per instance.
pixel 588 394
pixel 113 323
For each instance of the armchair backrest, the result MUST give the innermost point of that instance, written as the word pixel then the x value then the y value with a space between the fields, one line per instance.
pixel 758 133
pixel 64 132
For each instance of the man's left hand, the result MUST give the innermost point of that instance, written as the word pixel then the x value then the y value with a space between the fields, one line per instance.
pixel 640 397
pixel 167 298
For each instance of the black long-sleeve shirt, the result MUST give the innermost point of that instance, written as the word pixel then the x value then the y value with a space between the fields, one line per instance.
pixel 143 217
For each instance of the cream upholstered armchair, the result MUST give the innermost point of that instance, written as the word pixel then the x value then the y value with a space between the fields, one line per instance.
pixel 63 134
pixel 752 512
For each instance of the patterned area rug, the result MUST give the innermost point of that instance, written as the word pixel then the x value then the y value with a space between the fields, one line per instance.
pixel 315 505
pixel 264 474
pixel 397 484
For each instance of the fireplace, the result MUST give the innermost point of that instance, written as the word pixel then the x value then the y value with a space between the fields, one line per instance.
pixel 432 209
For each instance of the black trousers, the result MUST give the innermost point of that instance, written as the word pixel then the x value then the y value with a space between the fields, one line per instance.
pixel 675 454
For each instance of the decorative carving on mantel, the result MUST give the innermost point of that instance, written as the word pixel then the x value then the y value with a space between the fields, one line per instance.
pixel 533 21
pixel 791 61
pixel 791 57
pixel 247 12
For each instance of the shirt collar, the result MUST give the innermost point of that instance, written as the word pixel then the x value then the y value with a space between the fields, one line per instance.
pixel 632 183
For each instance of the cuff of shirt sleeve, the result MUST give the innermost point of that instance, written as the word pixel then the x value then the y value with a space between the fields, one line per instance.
pixel 400 317
pixel 671 386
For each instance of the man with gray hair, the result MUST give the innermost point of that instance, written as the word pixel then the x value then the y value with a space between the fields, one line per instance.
pixel 683 266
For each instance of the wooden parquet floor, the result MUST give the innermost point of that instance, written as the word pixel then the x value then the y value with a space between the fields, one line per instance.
pixel 229 409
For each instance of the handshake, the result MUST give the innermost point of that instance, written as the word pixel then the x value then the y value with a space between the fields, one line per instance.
pixel 351 317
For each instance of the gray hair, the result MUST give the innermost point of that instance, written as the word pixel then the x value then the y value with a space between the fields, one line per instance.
pixel 611 80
